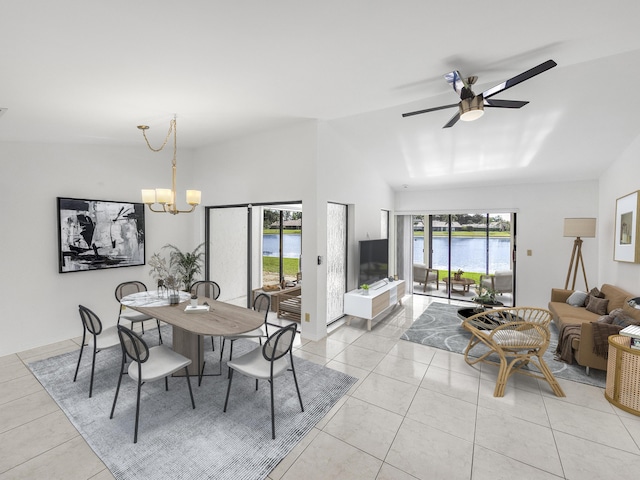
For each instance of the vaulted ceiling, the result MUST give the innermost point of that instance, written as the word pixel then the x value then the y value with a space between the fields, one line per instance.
pixel 75 71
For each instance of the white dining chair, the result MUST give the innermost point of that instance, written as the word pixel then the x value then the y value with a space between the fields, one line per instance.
pixel 147 365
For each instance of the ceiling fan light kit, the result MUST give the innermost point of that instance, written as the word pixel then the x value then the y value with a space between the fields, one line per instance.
pixel 471 106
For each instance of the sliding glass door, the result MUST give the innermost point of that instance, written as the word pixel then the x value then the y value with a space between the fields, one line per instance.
pixel 464 251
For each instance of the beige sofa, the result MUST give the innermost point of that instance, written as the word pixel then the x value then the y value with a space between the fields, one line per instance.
pixel 563 314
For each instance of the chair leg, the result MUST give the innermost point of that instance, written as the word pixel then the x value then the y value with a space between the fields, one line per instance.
pixel 166 384
pixel 159 332
pixel 115 398
pixel 553 383
pixel 213 347
pixel 273 417
pixel 228 390
pixel 135 433
pixel 93 367
pixel 78 366
pixel 186 371
pixel 295 379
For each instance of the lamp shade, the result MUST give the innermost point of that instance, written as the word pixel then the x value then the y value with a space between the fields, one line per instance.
pixel 580 227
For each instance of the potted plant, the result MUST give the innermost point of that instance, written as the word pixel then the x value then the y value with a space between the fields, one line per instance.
pixel 458 275
pixel 485 296
pixel 365 288
pixel 186 264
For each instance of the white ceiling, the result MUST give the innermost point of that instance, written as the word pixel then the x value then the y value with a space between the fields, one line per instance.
pixel 83 71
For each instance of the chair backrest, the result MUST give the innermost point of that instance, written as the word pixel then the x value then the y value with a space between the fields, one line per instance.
pixel 127 288
pixel 262 304
pixel 206 288
pixel 132 345
pixel 279 343
pixel 504 281
pixel 90 320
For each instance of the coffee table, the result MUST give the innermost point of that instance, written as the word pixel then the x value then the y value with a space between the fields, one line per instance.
pixel 464 282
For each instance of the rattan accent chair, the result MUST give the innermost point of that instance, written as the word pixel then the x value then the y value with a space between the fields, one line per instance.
pixel 261 304
pixel 518 337
pixel 267 363
pixel 148 364
pixel 100 339
pixel 127 288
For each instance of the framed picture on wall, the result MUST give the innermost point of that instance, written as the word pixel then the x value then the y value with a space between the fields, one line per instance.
pixel 99 234
pixel 626 245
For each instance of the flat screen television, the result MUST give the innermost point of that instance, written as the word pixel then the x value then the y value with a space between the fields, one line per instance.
pixel 374 261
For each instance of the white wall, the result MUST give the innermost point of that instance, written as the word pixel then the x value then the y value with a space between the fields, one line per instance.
pixel 620 179
pixel 41 305
pixel 541 209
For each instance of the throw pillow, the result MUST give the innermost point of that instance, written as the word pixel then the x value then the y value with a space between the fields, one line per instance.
pixel 577 299
pixel 598 305
pixel 605 319
pixel 594 292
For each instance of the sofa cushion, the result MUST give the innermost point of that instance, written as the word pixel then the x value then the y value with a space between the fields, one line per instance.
pixel 597 305
pixel 629 310
pixel 577 299
pixel 617 297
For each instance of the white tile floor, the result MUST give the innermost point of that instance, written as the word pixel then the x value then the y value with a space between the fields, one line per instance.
pixel 415 412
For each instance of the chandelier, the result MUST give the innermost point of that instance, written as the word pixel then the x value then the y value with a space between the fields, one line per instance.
pixel 164 196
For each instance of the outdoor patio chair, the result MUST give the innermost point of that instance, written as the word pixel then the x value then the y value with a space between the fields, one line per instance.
pixel 514 339
pixel 424 275
pixel 499 282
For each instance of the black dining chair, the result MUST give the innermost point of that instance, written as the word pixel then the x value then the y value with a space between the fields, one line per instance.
pixel 267 363
pixel 99 339
pixel 261 304
pixel 209 289
pixel 147 365
pixel 127 288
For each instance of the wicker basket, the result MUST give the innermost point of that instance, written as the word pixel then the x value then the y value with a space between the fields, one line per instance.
pixel 623 375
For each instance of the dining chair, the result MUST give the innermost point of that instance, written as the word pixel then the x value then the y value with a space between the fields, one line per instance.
pixel 100 339
pixel 267 363
pixel 261 304
pixel 209 289
pixel 147 364
pixel 127 288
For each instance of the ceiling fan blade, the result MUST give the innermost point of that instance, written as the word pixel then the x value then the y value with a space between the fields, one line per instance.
pixel 429 110
pixel 456 81
pixel 452 121
pixel 504 103
pixel 543 67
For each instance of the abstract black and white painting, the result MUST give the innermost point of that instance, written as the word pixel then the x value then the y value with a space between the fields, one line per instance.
pixel 98 234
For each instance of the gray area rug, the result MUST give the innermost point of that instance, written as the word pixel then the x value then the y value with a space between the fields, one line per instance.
pixel 176 441
pixel 439 326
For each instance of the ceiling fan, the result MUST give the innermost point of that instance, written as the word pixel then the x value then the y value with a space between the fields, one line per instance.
pixel 471 106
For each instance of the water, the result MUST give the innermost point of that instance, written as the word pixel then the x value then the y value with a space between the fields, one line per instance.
pixel 467 253
pixel 291 245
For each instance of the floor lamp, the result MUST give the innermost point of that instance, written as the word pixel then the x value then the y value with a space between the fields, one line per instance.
pixel 579 228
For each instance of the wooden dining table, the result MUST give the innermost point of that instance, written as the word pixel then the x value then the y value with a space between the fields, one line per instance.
pixel 222 319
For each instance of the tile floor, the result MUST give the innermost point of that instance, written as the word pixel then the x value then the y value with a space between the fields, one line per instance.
pixel 415 412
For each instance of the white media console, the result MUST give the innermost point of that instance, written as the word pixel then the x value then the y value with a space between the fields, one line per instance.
pixel 378 300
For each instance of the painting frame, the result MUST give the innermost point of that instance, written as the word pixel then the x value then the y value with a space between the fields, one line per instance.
pixel 626 244
pixel 99 234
